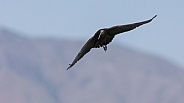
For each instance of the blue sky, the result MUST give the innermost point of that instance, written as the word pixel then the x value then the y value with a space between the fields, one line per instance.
pixel 80 19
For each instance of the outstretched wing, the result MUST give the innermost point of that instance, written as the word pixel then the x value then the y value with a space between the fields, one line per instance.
pixel 85 49
pixel 124 28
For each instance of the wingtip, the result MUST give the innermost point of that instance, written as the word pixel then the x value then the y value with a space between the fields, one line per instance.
pixel 154 17
pixel 69 66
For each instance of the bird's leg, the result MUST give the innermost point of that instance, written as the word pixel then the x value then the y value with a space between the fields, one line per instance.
pixel 105 48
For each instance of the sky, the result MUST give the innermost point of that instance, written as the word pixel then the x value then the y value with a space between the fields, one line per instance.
pixel 78 20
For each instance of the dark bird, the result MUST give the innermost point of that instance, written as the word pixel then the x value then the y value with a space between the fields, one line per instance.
pixel 104 36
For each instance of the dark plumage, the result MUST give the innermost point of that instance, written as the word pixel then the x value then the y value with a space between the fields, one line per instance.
pixel 104 36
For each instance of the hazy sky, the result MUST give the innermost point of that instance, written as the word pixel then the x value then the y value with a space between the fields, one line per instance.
pixel 80 19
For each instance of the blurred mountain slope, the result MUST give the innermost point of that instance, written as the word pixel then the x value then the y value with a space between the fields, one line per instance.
pixel 33 70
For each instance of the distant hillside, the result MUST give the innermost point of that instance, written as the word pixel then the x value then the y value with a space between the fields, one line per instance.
pixel 34 71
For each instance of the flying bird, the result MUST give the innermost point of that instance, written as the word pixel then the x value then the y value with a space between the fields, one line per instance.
pixel 104 36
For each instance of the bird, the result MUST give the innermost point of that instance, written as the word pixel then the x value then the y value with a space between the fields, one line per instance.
pixel 104 36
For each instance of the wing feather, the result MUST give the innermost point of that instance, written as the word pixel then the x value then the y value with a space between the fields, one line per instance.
pixel 124 28
pixel 85 49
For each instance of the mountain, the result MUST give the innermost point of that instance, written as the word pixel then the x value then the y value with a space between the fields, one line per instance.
pixel 33 70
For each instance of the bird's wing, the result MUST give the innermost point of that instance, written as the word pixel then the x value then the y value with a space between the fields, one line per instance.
pixel 124 28
pixel 85 49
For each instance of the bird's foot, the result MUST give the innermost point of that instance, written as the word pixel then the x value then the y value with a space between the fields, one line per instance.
pixel 105 48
